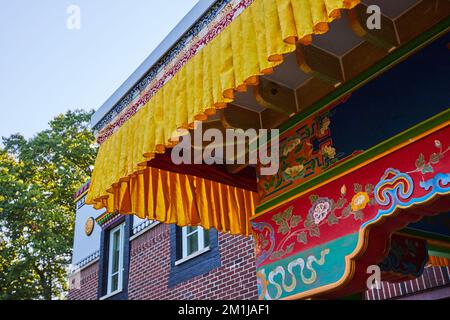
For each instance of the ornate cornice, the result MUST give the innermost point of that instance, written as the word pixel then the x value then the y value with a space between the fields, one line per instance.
pixel 106 219
pixel 217 18
pixel 81 192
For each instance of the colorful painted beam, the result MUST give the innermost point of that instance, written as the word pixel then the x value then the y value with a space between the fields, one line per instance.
pixel 107 219
pixel 320 242
pixel 349 128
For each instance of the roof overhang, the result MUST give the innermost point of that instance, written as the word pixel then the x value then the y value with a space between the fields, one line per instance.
pixel 302 69
pixel 169 41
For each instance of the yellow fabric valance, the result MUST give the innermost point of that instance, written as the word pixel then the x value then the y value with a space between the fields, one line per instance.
pixel 252 45
pixel 182 199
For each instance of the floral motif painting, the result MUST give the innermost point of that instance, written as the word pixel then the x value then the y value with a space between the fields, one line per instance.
pixel 292 228
pixel 305 151
pixel 352 215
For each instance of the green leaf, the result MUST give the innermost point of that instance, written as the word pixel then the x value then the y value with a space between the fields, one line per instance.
pixel 284 228
pixel 278 219
pixel 290 248
pixel 277 255
pixel 434 158
pixel 302 237
pixel 308 222
pixel 287 213
pixel 427 169
pixel 357 187
pixel 347 211
pixel 369 188
pixel 340 203
pixel 314 232
pixel 359 215
pixel 332 219
pixel 420 162
pixel 298 148
pixel 295 220
pixel 313 198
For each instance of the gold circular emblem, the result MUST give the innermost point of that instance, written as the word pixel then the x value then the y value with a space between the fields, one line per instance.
pixel 89 226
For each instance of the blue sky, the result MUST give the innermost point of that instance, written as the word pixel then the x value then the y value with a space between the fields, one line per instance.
pixel 47 69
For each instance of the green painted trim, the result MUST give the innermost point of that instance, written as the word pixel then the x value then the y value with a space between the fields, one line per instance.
pixel 395 57
pixel 425 234
pixel 365 156
pixel 386 63
pixel 439 252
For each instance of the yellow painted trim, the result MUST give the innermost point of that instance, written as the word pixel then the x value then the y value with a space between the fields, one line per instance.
pixel 81 196
pixel 363 164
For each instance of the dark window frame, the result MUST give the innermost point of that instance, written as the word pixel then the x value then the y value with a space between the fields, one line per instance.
pixel 193 267
pixel 104 257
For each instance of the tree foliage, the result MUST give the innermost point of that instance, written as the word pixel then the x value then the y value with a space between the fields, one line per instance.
pixel 38 178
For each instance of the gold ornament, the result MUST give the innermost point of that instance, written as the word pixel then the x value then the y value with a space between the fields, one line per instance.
pixel 89 226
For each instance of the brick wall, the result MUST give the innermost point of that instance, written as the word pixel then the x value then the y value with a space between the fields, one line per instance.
pixel 150 267
pixel 88 284
pixel 432 278
pixel 234 279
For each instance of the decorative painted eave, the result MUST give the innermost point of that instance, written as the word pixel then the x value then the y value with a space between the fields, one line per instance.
pixel 210 18
pixel 247 40
pixel 82 191
pixel 106 219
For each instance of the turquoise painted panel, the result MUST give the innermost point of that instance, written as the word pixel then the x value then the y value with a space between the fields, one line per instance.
pixel 319 266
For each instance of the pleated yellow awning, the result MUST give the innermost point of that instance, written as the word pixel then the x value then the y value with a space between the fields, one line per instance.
pixel 182 199
pixel 252 45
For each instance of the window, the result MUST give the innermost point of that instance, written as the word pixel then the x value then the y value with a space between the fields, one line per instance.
pixel 193 252
pixel 114 264
pixel 194 240
pixel 115 259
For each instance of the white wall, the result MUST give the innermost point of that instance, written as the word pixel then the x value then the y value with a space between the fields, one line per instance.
pixel 83 245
